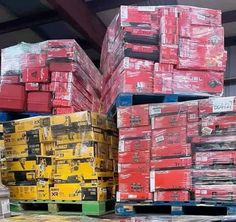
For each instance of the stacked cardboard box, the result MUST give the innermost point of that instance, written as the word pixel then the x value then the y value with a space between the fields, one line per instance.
pixel 54 76
pixel 4 192
pixel 61 157
pixel 163 50
pixel 177 151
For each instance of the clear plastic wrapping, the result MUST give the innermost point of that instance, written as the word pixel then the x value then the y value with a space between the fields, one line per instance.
pixel 63 154
pixel 43 67
pixel 190 41
pixel 188 147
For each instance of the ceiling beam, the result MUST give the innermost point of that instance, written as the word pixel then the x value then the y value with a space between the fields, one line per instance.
pixel 82 19
pixel 29 21
pixel 229 16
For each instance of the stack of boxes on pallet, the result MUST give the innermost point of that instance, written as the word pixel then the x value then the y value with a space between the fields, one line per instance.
pixel 163 50
pixel 4 193
pixel 178 151
pixel 54 76
pixel 62 157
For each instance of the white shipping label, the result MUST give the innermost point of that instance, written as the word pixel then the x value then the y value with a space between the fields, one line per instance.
pixel 224 104
pixel 119 167
pixel 152 181
pixel 206 131
pixel 124 12
pixel 121 146
pixel 126 62
pixel 154 110
pixel 118 196
pixel 159 139
pixel 5 206
pixel 146 8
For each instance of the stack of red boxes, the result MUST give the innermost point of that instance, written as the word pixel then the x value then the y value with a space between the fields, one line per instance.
pixel 188 148
pixel 57 75
pixel 185 43
pixel 215 150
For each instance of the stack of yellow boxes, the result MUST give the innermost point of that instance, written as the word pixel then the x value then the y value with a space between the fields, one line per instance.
pixel 62 157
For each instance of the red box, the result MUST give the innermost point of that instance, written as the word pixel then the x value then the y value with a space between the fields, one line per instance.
pixel 193 129
pixel 215 158
pixel 60 110
pixel 214 139
pixel 62 66
pixel 62 77
pixel 134 157
pixel 12 97
pixel 163 68
pixel 217 105
pixel 168 54
pixel 198 82
pixel 35 74
pixel 215 192
pixel 172 195
pixel 172 150
pixel 130 168
pixel 135 145
pixel 32 60
pixel 180 162
pixel 69 53
pixel 222 124
pixel 39 102
pixel 133 116
pixel 32 86
pixel 162 83
pixel 171 179
pixel 133 82
pixel 10 79
pixel 192 111
pixel 122 196
pixel 166 108
pixel 134 182
pixel 143 132
pixel 160 122
pixel 165 137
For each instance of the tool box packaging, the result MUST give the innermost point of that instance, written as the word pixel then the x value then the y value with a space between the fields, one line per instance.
pixel 192 48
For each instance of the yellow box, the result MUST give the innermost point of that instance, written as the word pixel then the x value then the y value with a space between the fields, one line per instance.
pixel 82 150
pixel 14 139
pixel 111 125
pixel 113 153
pixel 113 140
pixel 13 177
pixel 96 135
pixel 45 135
pixel 100 193
pixel 4 176
pixel 85 118
pixel 43 190
pixel 67 191
pixel 22 164
pixel 32 123
pixel 75 168
pixel 45 167
pixel 23 192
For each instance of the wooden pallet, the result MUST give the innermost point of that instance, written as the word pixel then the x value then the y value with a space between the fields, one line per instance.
pixel 177 208
pixel 89 208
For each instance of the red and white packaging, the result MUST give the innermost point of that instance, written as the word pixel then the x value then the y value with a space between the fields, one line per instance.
pixel 164 137
pixel 32 86
pixel 133 116
pixel 168 54
pixel 62 77
pixel 162 83
pixel 134 145
pixel 169 121
pixel 193 130
pixel 122 196
pixel 172 150
pixel 35 74
pixel 34 60
pixel 172 195
pixel 171 179
pixel 134 157
pixel 143 132
pixel 180 162
pixel 215 192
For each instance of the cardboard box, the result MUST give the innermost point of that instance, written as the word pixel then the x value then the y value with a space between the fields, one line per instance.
pixel 171 150
pixel 39 102
pixel 134 157
pixel 82 150
pixel 133 116
pixel 215 192
pixel 180 162
pixel 142 168
pixel 33 60
pixel 134 145
pixel 166 108
pixel 32 86
pixel 143 132
pixel 172 195
pixel 171 179
pixel 123 196
pixel 164 137
pixel 23 192
pixel 215 158
pixel 35 75
pixel 169 121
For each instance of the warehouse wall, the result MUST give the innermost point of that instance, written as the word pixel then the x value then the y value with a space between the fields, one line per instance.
pixel 230 74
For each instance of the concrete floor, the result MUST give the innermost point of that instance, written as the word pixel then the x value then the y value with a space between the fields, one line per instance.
pixel 112 217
